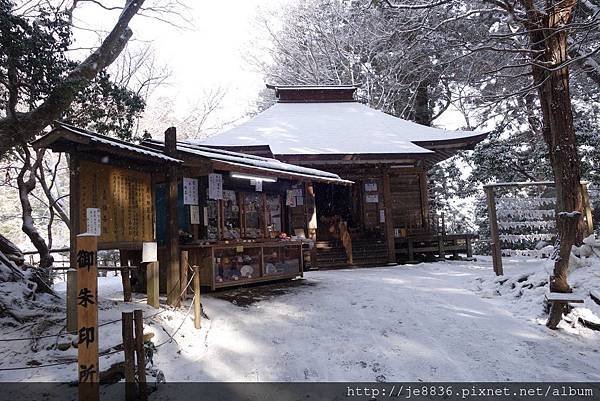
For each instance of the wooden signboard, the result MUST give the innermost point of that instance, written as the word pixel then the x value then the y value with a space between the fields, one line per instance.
pixel 124 198
pixel 87 317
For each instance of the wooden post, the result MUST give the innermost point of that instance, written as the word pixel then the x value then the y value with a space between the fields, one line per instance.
pixel 424 199
pixel 87 317
pixel 197 315
pixel 172 232
pixel 469 247
pixel 72 300
pixel 74 214
pixel 495 236
pixel 442 240
pixel 125 275
pixel 128 350
pixel 139 350
pixel 389 220
pixel 183 270
pixel 587 209
pixel 152 288
pixel 411 250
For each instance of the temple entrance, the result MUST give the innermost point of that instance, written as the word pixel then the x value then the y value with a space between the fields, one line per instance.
pixel 334 204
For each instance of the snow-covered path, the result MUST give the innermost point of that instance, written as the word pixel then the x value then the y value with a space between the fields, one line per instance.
pixel 394 323
pixel 430 322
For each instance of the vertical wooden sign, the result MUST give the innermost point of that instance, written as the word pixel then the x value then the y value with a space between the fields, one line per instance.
pixel 87 317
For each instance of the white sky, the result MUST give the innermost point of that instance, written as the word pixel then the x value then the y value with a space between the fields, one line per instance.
pixel 211 54
pixel 208 55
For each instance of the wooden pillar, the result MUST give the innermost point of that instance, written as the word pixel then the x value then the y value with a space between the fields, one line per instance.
pixel 311 212
pixel 152 283
pixel 587 209
pixel 125 275
pixel 265 218
pixel 424 199
pixel 197 306
pixel 442 240
pixel 495 236
pixel 87 318
pixel 469 247
pixel 128 350
pixel 74 187
pixel 172 231
pixel 183 274
pixel 411 250
pixel 140 354
pixel 389 220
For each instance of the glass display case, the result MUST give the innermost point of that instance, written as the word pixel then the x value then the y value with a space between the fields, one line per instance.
pixel 212 226
pixel 253 214
pixel 231 215
pixel 273 215
pixel 237 264
pixel 282 259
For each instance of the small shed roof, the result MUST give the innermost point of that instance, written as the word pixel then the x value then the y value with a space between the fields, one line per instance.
pixel 333 128
pixel 65 134
pixel 233 161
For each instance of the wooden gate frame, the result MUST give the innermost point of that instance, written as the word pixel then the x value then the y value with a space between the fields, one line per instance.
pixel 491 204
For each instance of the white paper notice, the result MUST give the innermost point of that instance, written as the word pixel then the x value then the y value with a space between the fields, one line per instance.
pixel 370 186
pixel 372 198
pixel 382 215
pixel 194 214
pixel 215 186
pixel 258 186
pixel 93 221
pixel 190 191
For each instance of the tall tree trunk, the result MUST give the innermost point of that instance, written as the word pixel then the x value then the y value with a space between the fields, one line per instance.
pixel 26 186
pixel 549 41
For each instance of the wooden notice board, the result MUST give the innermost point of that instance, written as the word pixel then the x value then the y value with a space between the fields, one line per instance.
pixel 124 198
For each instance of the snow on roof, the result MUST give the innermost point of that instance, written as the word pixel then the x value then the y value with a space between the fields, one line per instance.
pixel 113 142
pixel 331 128
pixel 256 162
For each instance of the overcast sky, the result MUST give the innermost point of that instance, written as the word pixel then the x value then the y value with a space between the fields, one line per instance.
pixel 210 53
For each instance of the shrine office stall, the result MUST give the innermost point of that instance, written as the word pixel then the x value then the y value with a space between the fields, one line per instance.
pixel 241 218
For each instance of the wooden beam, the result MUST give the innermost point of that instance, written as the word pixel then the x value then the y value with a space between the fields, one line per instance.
pixel 495 235
pixel 389 219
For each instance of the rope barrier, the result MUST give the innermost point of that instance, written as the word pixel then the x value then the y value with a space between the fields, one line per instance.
pixel 100 325
pixel 71 332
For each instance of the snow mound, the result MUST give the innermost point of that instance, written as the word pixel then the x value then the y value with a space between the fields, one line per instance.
pixel 523 291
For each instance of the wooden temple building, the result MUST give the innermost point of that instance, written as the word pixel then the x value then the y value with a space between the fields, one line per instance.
pixel 317 180
pixel 385 216
pixel 241 218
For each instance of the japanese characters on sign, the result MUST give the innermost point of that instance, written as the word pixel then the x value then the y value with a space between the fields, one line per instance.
pixel 190 191
pixel 87 315
pixel 194 214
pixel 93 221
pixel 372 198
pixel 215 186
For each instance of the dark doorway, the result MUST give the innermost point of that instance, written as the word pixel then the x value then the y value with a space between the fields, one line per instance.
pixel 334 203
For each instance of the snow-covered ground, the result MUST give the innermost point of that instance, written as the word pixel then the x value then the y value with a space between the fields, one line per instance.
pixel 451 321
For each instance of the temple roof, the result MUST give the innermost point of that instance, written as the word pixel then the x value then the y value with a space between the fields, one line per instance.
pixel 313 128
